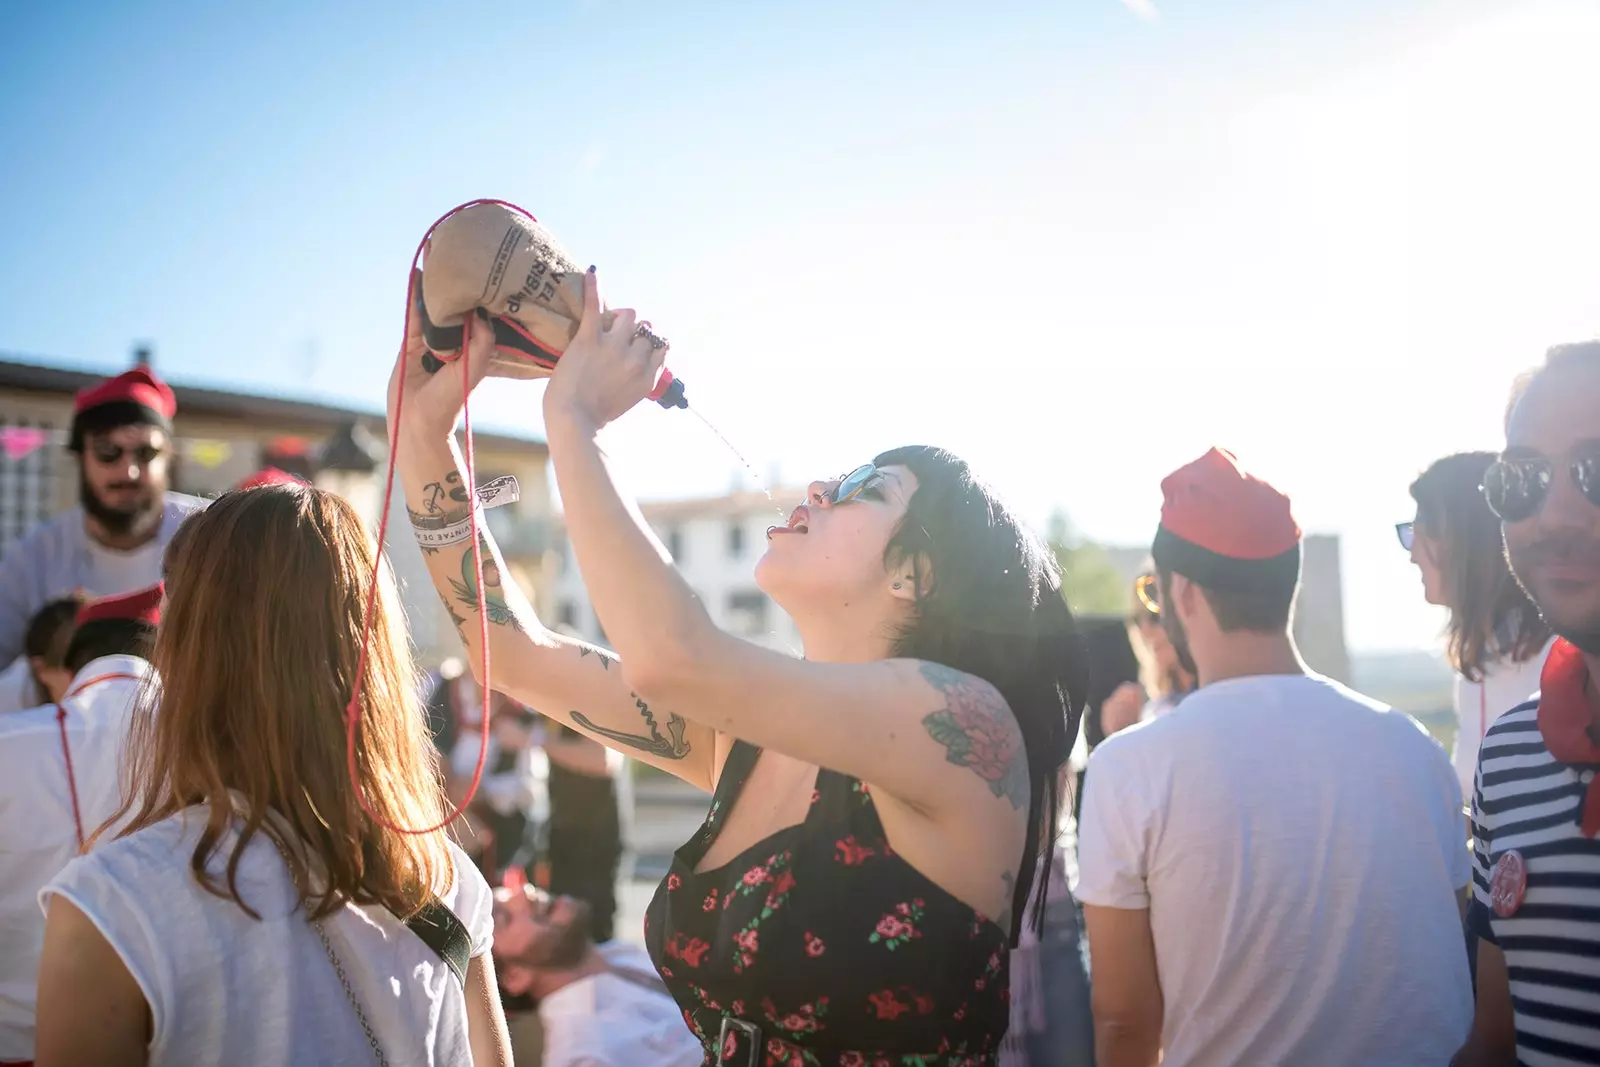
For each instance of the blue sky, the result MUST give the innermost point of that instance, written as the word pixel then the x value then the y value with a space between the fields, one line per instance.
pixel 1077 242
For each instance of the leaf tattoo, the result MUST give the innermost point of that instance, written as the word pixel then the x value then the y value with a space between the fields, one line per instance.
pixel 978 732
pixel 494 598
pixel 673 746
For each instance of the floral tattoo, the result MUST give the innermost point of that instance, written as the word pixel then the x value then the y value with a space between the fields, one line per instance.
pixel 978 732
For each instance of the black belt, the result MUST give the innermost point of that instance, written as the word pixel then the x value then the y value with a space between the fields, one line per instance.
pixel 738 1044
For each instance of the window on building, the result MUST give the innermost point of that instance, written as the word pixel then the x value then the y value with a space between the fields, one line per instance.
pixel 735 539
pixel 747 612
pixel 675 544
pixel 27 475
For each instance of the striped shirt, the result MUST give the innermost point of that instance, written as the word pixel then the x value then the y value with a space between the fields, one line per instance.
pixel 1524 799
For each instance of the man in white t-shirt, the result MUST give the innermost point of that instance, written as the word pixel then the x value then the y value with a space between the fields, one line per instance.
pixel 1271 872
pixel 113 541
pixel 59 780
pixel 599 1005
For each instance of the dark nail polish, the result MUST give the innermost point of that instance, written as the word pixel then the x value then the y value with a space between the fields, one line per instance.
pixel 591 268
pixel 482 314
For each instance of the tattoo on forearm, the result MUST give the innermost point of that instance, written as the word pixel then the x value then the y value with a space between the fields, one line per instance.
pixel 495 604
pixel 979 732
pixel 459 621
pixel 673 746
pixel 444 503
pixel 605 658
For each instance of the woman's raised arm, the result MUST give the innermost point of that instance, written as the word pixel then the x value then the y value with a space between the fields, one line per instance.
pixel 567 680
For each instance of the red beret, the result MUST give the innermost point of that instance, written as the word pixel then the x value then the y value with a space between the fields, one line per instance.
pixel 1225 528
pixel 269 476
pixel 142 605
pixel 139 386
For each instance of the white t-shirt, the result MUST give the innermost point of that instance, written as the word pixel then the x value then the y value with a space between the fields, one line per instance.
pixel 607 1021
pixel 224 988
pixel 18 691
pixel 1300 849
pixel 1478 704
pixel 38 835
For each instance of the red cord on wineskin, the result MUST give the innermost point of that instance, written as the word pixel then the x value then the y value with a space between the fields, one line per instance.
pixel 352 711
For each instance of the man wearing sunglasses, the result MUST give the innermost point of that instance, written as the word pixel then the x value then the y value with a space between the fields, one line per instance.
pixel 112 542
pixel 1535 806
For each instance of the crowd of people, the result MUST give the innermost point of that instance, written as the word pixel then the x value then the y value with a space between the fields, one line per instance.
pixel 237 824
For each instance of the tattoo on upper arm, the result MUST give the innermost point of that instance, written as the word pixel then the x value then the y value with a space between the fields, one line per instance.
pixel 978 731
pixel 495 604
pixel 672 746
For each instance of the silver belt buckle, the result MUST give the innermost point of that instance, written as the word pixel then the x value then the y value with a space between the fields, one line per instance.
pixel 750 1031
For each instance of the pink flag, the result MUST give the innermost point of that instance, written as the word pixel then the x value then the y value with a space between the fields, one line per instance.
pixel 20 441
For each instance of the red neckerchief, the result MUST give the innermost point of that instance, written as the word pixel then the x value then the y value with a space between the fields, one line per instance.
pixel 1564 721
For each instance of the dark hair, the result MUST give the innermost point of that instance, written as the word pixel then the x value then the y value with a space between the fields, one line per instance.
pixel 1255 611
pixel 109 637
pixel 1490 616
pixel 989 603
pixel 1557 357
pixel 1264 610
pixel 50 631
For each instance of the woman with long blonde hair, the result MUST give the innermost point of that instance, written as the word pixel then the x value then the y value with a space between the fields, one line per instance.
pixel 255 904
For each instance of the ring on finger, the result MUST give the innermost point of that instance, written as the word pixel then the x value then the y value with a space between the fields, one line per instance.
pixel 656 340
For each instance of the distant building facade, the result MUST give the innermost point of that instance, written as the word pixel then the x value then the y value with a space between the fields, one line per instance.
pixel 715 543
pixel 223 437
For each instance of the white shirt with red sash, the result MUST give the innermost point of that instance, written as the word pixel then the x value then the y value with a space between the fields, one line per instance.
pixel 40 815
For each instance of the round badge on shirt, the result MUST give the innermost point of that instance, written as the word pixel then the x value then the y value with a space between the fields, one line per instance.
pixel 1508 884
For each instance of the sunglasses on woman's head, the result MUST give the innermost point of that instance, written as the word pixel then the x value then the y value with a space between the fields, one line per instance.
pixel 1407 532
pixel 1148 590
pixel 1516 487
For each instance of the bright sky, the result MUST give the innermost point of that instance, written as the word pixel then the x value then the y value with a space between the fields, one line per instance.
pixel 1076 242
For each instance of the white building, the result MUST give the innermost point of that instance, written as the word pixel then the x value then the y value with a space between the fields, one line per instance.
pixel 715 542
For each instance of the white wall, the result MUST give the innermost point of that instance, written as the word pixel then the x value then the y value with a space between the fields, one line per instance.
pixel 721 579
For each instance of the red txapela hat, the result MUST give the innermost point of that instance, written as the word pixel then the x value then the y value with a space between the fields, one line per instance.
pixel 1225 528
pixel 133 398
pixel 142 605
pixel 269 476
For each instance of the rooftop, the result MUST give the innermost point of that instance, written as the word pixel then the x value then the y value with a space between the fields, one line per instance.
pixel 26 375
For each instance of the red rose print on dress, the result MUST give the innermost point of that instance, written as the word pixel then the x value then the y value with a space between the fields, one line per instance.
pixel 690 950
pixel 898 927
pixel 711 902
pixel 673 882
pixel 852 1059
pixel 780 889
pixel 851 852
pixel 886 1006
pixel 814 945
pixel 756 876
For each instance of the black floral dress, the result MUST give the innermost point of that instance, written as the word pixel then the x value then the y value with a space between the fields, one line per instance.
pixel 820 947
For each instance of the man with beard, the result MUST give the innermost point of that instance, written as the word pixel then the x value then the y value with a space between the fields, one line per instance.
pixel 113 541
pixel 1272 871
pixel 599 1005
pixel 1535 806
